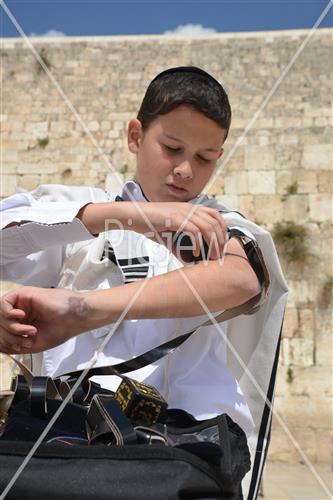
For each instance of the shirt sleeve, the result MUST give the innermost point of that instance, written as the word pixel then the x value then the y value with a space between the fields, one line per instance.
pixel 28 249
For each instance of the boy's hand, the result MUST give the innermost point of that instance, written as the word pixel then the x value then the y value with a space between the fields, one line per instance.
pixel 196 220
pixel 34 319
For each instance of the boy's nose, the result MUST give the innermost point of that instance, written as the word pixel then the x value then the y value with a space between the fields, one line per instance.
pixel 184 170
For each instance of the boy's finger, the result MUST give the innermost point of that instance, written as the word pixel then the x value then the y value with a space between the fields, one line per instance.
pixel 16 313
pixel 15 342
pixel 15 327
pixel 7 304
pixel 19 329
pixel 7 344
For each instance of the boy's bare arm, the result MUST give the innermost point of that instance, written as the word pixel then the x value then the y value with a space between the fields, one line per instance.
pixel 154 218
pixel 53 316
pixel 220 284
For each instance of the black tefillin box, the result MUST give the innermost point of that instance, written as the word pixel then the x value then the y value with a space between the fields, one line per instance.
pixel 142 403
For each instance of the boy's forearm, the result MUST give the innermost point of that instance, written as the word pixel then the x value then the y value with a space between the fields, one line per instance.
pixel 99 217
pixel 175 294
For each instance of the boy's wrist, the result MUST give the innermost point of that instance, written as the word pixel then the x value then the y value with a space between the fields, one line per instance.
pixel 100 310
pixel 100 217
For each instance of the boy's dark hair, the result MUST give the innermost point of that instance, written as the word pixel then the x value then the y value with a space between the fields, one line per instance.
pixel 187 85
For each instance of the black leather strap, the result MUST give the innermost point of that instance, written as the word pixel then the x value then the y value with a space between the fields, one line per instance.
pixel 162 350
pixel 41 389
pixel 83 393
pixel 145 359
pixel 21 389
pixel 107 423
pixel 254 256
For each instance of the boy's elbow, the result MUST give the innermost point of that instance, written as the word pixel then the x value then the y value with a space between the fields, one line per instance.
pixel 254 286
pixel 246 286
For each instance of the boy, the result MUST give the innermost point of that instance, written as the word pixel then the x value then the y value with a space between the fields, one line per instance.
pixel 71 238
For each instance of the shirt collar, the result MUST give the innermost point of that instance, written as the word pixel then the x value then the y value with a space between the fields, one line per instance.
pixel 132 191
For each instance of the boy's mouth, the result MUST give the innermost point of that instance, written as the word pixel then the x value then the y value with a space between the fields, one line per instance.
pixel 176 189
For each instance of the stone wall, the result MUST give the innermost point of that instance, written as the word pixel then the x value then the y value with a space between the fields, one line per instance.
pixel 280 172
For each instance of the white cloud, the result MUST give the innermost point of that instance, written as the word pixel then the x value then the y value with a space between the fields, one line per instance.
pixel 190 30
pixel 50 33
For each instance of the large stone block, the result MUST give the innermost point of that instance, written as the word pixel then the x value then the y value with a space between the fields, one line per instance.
pixel 60 128
pixel 230 201
pixel 216 188
pixel 265 137
pixel 297 181
pixel 268 208
pixel 301 291
pixel 8 184
pixel 315 381
pixel 236 183
pixel 290 324
pixel 284 444
pixel 325 181
pixel 317 156
pixel 7 168
pixel 24 77
pixel 321 207
pixel 301 352
pixel 324 352
pixel 323 438
pixel 39 168
pixel 233 162
pixel 288 139
pixel 306 323
pixel 29 182
pixel 261 182
pixel 93 126
pixel 246 206
pixel 37 129
pixel 309 409
pixel 259 157
pixel 296 208
pixel 9 156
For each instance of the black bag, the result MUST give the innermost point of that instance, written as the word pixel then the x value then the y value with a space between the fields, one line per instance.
pixel 197 460
pixel 131 472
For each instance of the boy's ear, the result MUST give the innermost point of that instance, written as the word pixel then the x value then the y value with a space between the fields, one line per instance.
pixel 134 135
pixel 221 153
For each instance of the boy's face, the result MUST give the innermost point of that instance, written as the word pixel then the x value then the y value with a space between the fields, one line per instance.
pixel 176 155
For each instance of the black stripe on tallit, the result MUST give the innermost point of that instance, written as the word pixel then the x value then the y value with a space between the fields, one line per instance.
pixel 133 260
pixel 136 269
pixel 131 279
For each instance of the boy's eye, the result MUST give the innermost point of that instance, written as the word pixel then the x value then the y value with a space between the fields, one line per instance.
pixel 171 149
pixel 206 160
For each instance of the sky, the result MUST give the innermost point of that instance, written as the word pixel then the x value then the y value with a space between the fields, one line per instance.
pixel 182 17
